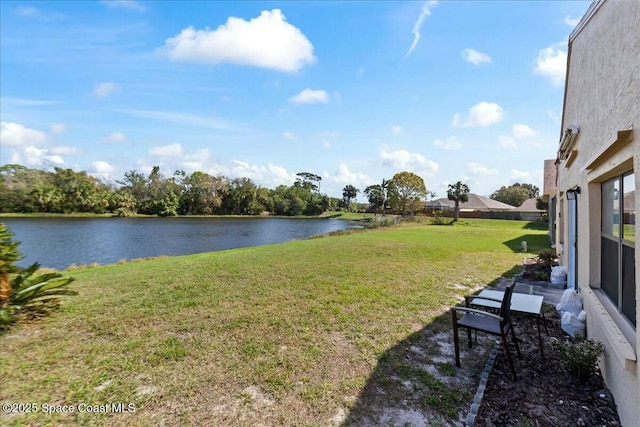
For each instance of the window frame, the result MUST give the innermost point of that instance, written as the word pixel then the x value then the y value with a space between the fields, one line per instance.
pixel 616 299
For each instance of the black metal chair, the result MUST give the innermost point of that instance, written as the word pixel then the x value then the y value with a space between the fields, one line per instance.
pixel 482 321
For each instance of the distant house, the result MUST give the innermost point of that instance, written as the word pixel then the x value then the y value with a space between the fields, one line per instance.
pixel 475 203
pixel 529 211
pixel 598 153
pixel 440 205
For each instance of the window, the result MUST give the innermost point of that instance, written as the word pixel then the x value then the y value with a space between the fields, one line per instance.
pixel 618 274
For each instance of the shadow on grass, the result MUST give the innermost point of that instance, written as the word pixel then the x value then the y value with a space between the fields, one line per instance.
pixel 416 382
pixel 535 243
pixel 537 225
pixel 510 273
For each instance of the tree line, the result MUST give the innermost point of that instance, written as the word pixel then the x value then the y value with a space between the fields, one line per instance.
pixel 61 190
pixel 25 190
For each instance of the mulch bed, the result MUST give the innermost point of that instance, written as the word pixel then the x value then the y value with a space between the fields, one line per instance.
pixel 545 394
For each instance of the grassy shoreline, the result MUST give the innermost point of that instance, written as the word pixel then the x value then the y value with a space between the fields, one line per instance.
pixel 286 334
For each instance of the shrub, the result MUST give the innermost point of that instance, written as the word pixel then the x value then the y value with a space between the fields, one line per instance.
pixel 547 258
pixel 438 219
pixel 26 289
pixel 123 213
pixel 580 356
pixel 9 255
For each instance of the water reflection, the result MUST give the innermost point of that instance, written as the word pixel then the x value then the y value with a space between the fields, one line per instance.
pixel 61 242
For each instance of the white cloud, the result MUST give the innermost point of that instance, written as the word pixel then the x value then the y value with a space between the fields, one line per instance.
pixel 270 175
pixel 171 150
pixel 310 96
pixel 482 114
pixel 480 169
pixel 552 63
pixel 125 4
pixel 288 135
pixel 475 57
pixel 535 177
pixel 572 22
pixel 57 128
pixel 102 168
pixel 104 89
pixel 522 131
pixel 396 130
pixel 195 161
pixel 267 41
pixel 35 157
pixel 456 120
pixel 553 116
pixel 116 137
pixel 180 118
pixel 403 159
pixel 344 175
pixel 424 12
pixel 15 134
pixel 507 141
pixel 25 102
pixel 518 131
pixel 327 138
pixel 451 143
pixel 27 11
pixel 64 150
pixel 519 175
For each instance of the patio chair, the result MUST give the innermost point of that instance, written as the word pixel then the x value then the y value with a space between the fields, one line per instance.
pixel 482 321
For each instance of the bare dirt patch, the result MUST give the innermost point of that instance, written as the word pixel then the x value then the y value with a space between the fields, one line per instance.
pixel 545 394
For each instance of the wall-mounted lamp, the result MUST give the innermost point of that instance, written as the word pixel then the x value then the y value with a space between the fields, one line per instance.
pixel 572 194
pixel 573 129
pixel 568 136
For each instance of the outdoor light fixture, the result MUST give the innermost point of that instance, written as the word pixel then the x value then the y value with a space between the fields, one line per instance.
pixel 568 136
pixel 572 194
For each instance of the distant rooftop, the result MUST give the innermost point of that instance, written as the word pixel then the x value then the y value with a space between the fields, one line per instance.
pixel 475 203
pixel 550 186
pixel 529 205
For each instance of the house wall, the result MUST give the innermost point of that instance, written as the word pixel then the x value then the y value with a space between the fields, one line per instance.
pixel 602 96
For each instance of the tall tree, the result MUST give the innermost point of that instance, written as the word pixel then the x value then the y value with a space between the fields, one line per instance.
pixel 348 194
pixel 16 184
pixel 308 181
pixel 516 194
pixel 375 195
pixel 459 193
pixel 79 191
pixel 201 193
pixel 406 190
pixel 240 197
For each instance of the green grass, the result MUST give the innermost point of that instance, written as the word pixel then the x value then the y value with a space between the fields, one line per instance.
pixel 352 216
pixel 287 334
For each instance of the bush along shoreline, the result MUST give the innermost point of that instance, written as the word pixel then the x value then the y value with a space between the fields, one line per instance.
pixel 26 291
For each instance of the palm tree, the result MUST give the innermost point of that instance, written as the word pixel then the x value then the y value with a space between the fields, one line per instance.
pixel 384 188
pixel 458 192
pixel 385 193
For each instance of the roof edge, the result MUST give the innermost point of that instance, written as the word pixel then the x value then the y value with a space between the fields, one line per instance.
pixel 593 8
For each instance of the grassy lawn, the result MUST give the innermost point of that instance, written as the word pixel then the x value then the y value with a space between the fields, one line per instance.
pixel 300 333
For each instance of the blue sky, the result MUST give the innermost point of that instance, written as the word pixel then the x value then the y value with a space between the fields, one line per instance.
pixel 352 91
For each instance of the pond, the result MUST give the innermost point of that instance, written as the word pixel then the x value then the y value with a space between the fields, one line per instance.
pixel 61 242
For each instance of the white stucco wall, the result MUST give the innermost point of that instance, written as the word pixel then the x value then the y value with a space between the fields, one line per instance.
pixel 603 97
